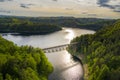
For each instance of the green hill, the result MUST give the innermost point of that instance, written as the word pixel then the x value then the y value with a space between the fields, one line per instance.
pixel 101 53
pixel 26 27
pixel 22 63
pixel 44 25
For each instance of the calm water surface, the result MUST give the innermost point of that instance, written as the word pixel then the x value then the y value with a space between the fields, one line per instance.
pixel 64 67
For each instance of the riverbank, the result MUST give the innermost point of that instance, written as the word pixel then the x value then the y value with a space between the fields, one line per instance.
pixel 26 33
pixel 84 65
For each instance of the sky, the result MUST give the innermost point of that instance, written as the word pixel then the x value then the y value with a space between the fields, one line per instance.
pixel 53 8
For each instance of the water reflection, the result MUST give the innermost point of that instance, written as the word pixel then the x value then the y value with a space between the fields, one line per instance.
pixel 70 34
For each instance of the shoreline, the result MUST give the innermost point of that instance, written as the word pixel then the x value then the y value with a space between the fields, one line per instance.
pixel 84 65
pixel 26 33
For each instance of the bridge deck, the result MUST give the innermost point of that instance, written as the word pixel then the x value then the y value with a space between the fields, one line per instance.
pixel 59 46
pixel 55 47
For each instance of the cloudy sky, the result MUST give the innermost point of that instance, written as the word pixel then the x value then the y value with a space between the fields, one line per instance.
pixel 76 8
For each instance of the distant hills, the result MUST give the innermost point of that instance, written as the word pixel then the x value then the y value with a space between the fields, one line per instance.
pixel 83 23
pixel 24 26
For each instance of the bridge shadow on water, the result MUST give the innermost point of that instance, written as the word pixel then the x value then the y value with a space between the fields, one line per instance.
pixel 63 69
pixel 68 66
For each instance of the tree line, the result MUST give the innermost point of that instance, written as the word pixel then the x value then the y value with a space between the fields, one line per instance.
pixel 22 63
pixel 84 23
pixel 15 25
pixel 101 52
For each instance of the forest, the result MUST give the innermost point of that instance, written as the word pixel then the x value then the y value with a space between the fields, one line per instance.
pixel 101 53
pixel 22 63
pixel 50 24
pixel 82 23
pixel 26 27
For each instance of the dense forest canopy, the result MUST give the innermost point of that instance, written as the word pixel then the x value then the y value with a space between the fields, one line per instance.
pixel 52 23
pixel 84 23
pixel 16 25
pixel 101 52
pixel 22 63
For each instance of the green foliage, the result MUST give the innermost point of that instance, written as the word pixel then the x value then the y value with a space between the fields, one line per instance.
pixel 25 27
pixel 102 52
pixel 22 63
pixel 82 23
pixel 44 25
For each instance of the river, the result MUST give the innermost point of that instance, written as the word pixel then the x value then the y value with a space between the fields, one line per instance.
pixel 65 68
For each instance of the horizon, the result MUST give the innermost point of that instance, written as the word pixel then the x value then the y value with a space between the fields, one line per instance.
pixel 18 16
pixel 104 9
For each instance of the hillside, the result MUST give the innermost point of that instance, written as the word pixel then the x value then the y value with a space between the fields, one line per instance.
pixel 56 22
pixel 22 63
pixel 83 23
pixel 26 27
pixel 101 53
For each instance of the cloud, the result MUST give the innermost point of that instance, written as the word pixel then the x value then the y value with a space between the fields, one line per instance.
pixel 79 0
pixel 5 0
pixel 68 9
pixel 92 14
pixel 89 14
pixel 55 0
pixel 4 11
pixel 117 8
pixel 26 5
pixel 84 12
pixel 105 3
